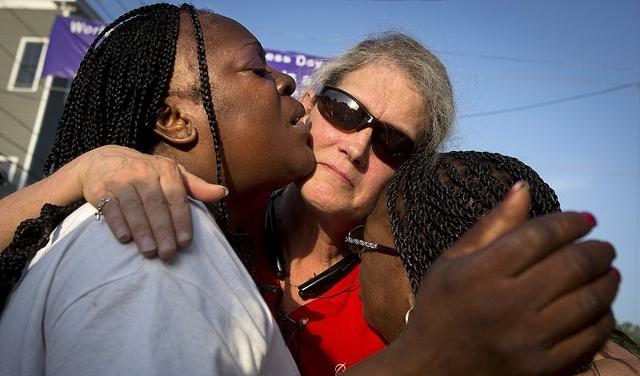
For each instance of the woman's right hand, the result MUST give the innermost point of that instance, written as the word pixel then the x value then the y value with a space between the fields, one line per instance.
pixel 148 197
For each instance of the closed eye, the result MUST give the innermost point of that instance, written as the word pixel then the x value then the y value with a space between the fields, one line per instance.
pixel 261 72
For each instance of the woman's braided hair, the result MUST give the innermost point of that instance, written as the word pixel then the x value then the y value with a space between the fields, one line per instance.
pixel 114 99
pixel 431 207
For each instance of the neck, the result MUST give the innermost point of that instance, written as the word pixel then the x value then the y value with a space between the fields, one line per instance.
pixel 305 237
pixel 246 214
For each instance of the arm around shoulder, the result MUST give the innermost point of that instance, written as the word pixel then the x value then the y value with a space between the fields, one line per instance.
pixel 61 188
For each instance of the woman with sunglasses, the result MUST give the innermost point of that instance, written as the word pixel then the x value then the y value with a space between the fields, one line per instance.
pixel 362 130
pixel 367 111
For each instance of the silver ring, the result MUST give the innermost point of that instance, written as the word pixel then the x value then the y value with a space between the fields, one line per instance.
pixel 101 204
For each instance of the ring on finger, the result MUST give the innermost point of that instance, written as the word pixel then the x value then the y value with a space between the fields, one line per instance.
pixel 100 206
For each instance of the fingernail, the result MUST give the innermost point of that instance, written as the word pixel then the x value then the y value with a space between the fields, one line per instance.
pixel 123 235
pixel 183 236
pixel 166 246
pixel 225 189
pixel 515 188
pixel 589 218
pixel 148 245
pixel 616 273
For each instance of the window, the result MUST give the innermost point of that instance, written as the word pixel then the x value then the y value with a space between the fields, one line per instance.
pixel 8 167
pixel 27 66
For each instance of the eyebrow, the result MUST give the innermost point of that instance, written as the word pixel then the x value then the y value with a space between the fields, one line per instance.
pixel 261 51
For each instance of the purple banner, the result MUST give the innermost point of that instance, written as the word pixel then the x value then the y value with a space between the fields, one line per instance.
pixel 69 40
pixel 71 37
pixel 296 64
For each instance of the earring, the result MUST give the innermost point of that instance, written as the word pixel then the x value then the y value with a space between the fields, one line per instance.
pixel 412 302
pixel 406 316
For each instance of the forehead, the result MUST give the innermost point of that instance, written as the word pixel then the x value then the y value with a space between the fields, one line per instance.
pixel 388 94
pixel 226 37
pixel 226 42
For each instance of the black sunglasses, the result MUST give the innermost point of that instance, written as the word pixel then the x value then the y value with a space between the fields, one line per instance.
pixel 357 245
pixel 347 114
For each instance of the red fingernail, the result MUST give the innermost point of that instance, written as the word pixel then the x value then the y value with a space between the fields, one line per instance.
pixel 514 188
pixel 616 273
pixel 589 218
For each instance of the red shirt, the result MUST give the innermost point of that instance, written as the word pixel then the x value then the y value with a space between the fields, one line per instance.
pixel 328 334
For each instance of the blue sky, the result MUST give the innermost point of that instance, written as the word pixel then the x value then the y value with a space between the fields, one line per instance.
pixel 555 83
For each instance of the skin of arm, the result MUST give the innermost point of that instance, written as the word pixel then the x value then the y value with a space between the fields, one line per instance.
pixel 149 194
pixel 61 188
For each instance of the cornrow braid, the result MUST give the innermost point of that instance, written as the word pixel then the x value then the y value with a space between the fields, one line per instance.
pixel 431 207
pixel 219 210
pixel 114 99
pixel 115 96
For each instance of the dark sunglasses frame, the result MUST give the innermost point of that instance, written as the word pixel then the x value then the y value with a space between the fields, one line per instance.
pixel 358 246
pixel 391 145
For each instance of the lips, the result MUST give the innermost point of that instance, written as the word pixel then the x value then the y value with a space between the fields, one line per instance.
pixel 298 114
pixel 339 173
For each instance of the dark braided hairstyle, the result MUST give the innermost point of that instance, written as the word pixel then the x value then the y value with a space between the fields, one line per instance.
pixel 114 99
pixel 430 207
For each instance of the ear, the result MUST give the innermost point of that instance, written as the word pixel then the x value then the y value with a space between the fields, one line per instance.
pixel 174 123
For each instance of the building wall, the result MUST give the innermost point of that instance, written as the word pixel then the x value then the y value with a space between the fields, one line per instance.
pixel 28 117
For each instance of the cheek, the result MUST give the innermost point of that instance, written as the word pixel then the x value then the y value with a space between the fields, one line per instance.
pixel 323 133
pixel 384 297
pixel 369 289
pixel 374 180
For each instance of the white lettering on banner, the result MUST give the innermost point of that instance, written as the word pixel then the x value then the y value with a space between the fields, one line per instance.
pixel 278 58
pixel 79 27
pixel 303 61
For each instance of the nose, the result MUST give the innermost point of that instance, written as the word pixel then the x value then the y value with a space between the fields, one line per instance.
pixel 284 83
pixel 357 146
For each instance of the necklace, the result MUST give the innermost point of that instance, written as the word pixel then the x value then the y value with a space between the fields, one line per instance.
pixel 318 284
pixel 288 280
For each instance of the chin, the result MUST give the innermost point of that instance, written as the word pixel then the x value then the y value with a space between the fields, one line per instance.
pixel 302 166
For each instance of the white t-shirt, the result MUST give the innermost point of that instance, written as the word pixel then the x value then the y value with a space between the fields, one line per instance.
pixel 93 306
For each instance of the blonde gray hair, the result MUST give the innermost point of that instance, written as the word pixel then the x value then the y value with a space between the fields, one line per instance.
pixel 423 69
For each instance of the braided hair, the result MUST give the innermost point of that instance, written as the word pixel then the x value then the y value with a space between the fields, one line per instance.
pixel 115 99
pixel 430 207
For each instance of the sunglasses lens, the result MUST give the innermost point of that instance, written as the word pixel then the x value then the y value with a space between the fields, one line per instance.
pixel 344 112
pixel 340 110
pixel 391 145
